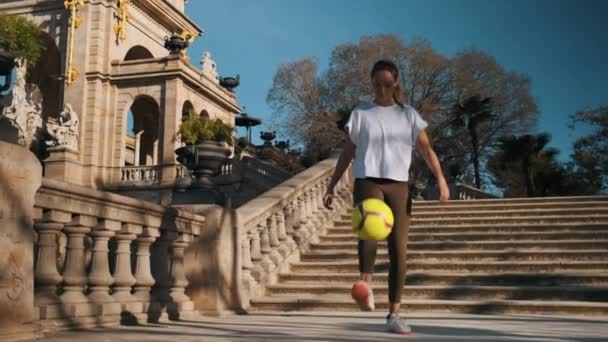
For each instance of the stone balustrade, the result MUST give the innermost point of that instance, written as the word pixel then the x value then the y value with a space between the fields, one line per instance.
pixel 140 175
pixel 281 223
pixel 264 169
pixel 102 258
pixel 467 192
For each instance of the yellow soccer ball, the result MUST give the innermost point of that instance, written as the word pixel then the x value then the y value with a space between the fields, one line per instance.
pixel 372 219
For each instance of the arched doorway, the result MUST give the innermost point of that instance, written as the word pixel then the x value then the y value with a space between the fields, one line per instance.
pixel 138 52
pixel 142 132
pixel 187 110
pixel 205 114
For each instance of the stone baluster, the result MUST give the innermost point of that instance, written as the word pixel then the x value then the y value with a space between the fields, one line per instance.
pixel 311 222
pixel 100 278
pixel 177 272
pixel 123 275
pixel 327 216
pixel 46 275
pixel 161 266
pixel 143 274
pixel 286 246
pixel 247 266
pixel 75 271
pixel 257 271
pixel 289 215
pixel 273 233
pixel 300 220
pixel 266 262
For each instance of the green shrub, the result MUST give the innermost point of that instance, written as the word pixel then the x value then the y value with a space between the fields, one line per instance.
pixel 197 129
pixel 21 38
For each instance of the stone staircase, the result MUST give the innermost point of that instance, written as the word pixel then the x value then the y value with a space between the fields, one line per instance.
pixel 532 256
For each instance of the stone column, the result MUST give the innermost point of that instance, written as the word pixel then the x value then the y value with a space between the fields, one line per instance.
pixel 266 263
pixel 100 278
pixel 273 234
pixel 161 266
pixel 20 178
pixel 143 274
pixel 123 276
pixel 137 154
pixel 75 273
pixel 169 121
pixel 285 247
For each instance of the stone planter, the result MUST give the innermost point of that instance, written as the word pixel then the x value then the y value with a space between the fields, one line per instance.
pixel 204 159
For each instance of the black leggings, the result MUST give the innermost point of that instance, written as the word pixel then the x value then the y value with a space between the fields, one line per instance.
pixel 396 195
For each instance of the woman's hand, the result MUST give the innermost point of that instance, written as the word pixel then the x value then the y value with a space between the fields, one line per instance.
pixel 328 198
pixel 444 191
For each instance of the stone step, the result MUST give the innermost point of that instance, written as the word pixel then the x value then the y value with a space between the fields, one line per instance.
pixel 436 305
pixel 476 245
pixel 470 266
pixel 346 228
pixel 459 292
pixel 455 206
pixel 457 278
pixel 465 221
pixel 598 235
pixel 458 256
pixel 522 213
pixel 512 201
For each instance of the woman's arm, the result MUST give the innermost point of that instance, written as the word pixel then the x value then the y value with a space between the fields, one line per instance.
pixel 348 152
pixel 424 147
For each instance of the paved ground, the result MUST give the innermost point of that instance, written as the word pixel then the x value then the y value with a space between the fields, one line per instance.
pixel 341 326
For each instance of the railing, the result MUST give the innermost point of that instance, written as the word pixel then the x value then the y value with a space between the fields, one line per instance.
pixel 90 281
pixel 264 169
pixel 140 175
pixel 276 226
pixel 182 172
pixel 467 192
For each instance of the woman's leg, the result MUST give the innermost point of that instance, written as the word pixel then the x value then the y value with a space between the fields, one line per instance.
pixel 366 249
pixel 396 196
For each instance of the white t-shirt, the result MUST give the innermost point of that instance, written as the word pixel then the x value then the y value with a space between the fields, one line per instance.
pixel 384 137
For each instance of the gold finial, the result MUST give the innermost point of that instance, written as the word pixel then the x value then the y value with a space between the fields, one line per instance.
pixel 72 71
pixel 120 27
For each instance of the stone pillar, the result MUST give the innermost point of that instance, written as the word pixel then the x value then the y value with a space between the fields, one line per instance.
pixel 123 276
pixel 285 246
pixel 75 273
pixel 143 274
pixel 63 164
pixel 169 123
pixel 100 278
pixel 137 154
pixel 20 178
pixel 248 281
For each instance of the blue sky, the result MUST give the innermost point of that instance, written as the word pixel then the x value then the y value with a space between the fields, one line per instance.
pixel 560 44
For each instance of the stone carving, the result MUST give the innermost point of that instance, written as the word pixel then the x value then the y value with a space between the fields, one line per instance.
pixel 209 67
pixel 25 107
pixel 64 131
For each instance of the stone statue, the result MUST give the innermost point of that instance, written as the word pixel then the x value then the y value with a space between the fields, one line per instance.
pixel 64 131
pixel 25 109
pixel 209 67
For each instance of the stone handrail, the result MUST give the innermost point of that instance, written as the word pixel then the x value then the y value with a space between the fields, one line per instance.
pixel 467 192
pixel 279 224
pixel 140 175
pixel 264 169
pixel 74 279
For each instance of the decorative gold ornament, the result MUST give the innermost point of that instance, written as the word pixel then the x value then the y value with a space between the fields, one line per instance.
pixel 123 16
pixel 72 72
pixel 189 37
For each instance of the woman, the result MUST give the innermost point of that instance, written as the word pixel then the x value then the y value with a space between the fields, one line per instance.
pixel 382 136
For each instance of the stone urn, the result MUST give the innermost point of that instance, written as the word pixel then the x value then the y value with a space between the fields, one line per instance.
pixel 205 159
pixel 175 44
pixel 230 82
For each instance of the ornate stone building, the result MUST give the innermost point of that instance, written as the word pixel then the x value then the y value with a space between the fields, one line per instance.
pixel 106 61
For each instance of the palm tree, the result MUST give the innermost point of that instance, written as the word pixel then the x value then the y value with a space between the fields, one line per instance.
pixel 471 113
pixel 529 151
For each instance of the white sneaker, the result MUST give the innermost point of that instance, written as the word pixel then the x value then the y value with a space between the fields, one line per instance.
pixel 396 325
